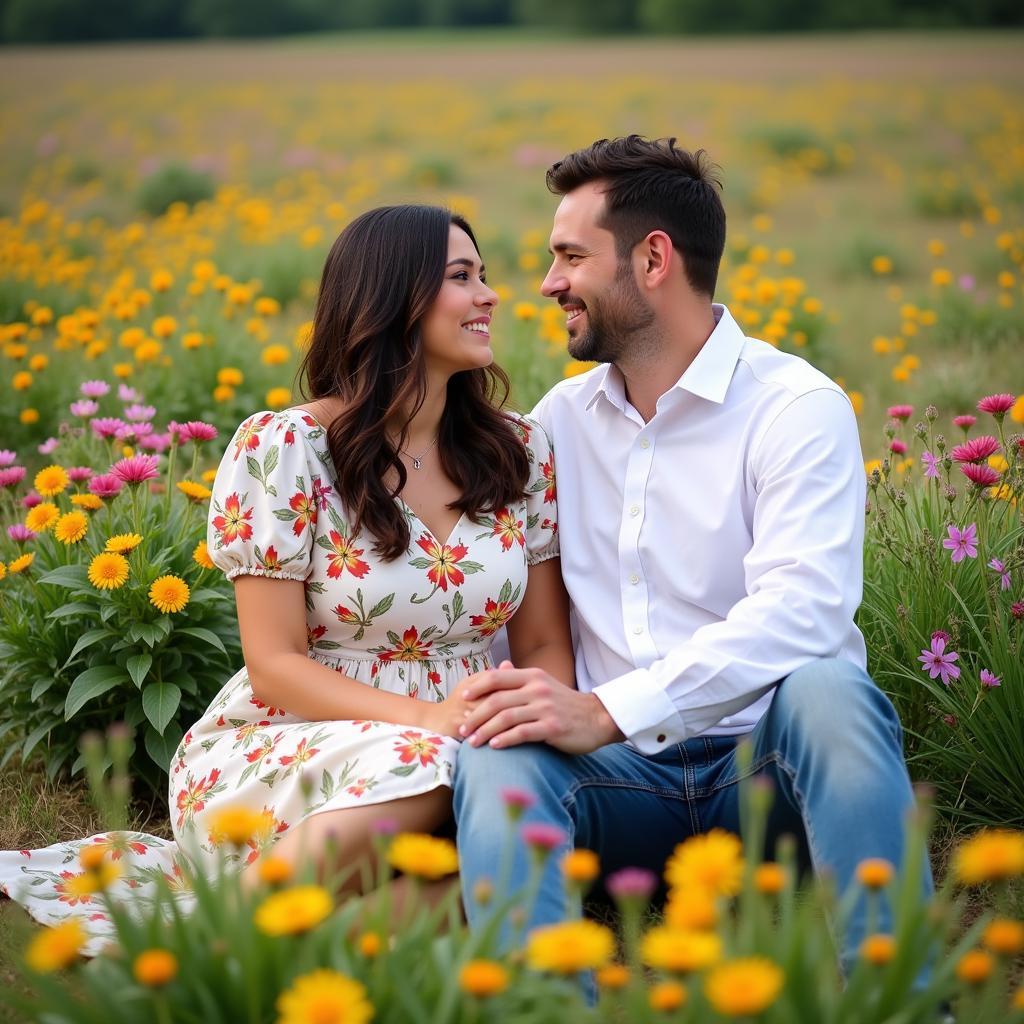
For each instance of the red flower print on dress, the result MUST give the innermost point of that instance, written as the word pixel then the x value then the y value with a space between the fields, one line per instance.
pixel 409 648
pixel 248 436
pixel 509 528
pixel 232 523
pixel 321 492
pixel 271 560
pixel 496 614
pixel 417 746
pixel 73 889
pixel 346 615
pixel 192 799
pixel 270 711
pixel 269 826
pixel 360 786
pixel 312 635
pixel 343 556
pixel 304 508
pixel 117 844
pixel 548 472
pixel 302 754
pixel 442 562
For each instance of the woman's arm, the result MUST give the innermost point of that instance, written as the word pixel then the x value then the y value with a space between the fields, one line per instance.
pixel 538 633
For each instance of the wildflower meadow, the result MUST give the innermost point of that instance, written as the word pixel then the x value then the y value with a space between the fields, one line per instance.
pixel 164 215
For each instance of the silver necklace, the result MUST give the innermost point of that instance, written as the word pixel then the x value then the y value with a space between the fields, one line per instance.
pixel 417 460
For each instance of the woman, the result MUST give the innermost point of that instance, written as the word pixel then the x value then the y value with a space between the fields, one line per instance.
pixel 378 537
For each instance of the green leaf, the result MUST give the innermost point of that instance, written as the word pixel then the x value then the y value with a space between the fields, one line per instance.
pixel 403 770
pixel 35 736
pixel 87 639
pixel 67 611
pixel 160 701
pixel 138 666
pixel 206 635
pixel 40 686
pixel 108 611
pixel 90 684
pixel 69 576
pixel 161 748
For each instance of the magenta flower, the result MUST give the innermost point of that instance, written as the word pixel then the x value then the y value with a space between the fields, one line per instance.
pixel 20 533
pixel 978 449
pixel 990 680
pixel 543 838
pixel 198 431
pixel 130 431
pixel 966 282
pixel 30 500
pixel 965 422
pixel 997 405
pixel 938 662
pixel 897 447
pixel 105 485
pixel 931 465
pixel 136 470
pixel 127 394
pixel 10 476
pixel 980 475
pixel 940 634
pixel 140 412
pixel 900 412
pixel 155 442
pixel 48 446
pixel 517 802
pixel 84 407
pixel 1017 609
pixel 1003 573
pixel 106 426
pixel 79 473
pixel 962 543
pixel 94 388
pixel 7 457
pixel 388 826
pixel 632 884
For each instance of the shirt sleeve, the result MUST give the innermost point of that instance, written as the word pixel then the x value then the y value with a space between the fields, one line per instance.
pixel 541 503
pixel 803 576
pixel 265 500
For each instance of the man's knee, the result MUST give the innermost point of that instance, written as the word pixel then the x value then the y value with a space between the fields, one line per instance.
pixel 481 773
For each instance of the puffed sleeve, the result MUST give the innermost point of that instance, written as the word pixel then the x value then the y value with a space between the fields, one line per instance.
pixel 541 507
pixel 265 496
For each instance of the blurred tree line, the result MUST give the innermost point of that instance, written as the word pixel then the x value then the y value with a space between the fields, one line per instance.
pixel 40 21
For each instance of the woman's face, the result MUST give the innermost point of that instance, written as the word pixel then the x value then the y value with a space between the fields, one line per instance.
pixel 457 328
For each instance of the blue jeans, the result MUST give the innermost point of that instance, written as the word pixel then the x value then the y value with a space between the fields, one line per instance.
pixel 830 742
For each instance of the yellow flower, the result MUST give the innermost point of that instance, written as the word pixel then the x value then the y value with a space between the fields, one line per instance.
pixel 56 947
pixel 324 997
pixel 230 376
pixel 1004 936
pixel 423 855
pixel 770 879
pixel 193 491
pixel 713 860
pixel 744 988
pixel 51 480
pixel 164 326
pixel 570 947
pixel 278 398
pixel 857 401
pixel 680 950
pixel 370 944
pixel 874 873
pixel 878 949
pixel 3 570
pixel 936 247
pixel 275 355
pixel 691 907
pixel 992 855
pixel 192 340
pixel 42 517
pixel 148 351
pixel 71 527
pixel 613 977
pixel 1017 411
pixel 524 311
pixel 223 393
pixel 881 265
pixel 483 978
pixel 293 911
pixel 581 866
pixel 29 416
pixel 161 280
pixel 667 996
pixel 575 368
pixel 237 825
pixel 22 562
pixel 90 502
pixel 108 571
pixel 123 543
pixel 274 870
pixel 155 967
pixel 201 556
pixel 941 277
pixel 975 967
pixel 169 593
pixel 266 306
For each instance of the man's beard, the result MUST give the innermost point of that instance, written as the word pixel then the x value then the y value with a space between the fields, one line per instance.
pixel 613 323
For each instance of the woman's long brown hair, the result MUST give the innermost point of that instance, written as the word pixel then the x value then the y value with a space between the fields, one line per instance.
pixel 381 277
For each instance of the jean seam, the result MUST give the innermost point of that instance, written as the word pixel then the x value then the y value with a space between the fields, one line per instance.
pixel 755 766
pixel 597 781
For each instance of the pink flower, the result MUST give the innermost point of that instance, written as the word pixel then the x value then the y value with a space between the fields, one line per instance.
pixel 1003 573
pixel 385 826
pixel 94 388
pixel 106 485
pixel 900 412
pixel 136 469
pixel 20 533
pixel 940 634
pixel 198 431
pixel 980 476
pixel 7 457
pixel 937 662
pixel 48 446
pixel 76 474
pixel 962 543
pixel 517 801
pixel 155 442
pixel 30 500
pixel 543 838
pixel 106 426
pixel 1017 609
pixel 997 405
pixel 632 883
pixel 127 394
pixel 965 422
pixel 978 449
pixel 140 412
pixel 989 680
pixel 897 447
pixel 84 407
pixel 131 431
pixel 931 465
pixel 10 476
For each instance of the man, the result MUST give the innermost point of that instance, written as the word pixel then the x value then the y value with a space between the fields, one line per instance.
pixel 711 515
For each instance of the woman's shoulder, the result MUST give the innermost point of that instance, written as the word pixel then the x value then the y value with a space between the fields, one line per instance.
pixel 529 431
pixel 283 429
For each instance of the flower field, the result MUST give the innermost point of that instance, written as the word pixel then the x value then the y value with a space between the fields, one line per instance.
pixel 164 215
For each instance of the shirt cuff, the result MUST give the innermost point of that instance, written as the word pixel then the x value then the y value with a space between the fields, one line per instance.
pixel 642 710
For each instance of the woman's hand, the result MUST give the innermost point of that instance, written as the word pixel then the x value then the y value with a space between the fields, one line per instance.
pixel 445 717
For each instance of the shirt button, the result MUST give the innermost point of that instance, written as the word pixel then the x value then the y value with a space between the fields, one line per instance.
pixel 634 510
pixel 634 578
pixel 638 630
pixel 645 443
pixel 661 737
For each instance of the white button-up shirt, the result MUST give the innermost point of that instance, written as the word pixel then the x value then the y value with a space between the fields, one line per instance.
pixel 714 550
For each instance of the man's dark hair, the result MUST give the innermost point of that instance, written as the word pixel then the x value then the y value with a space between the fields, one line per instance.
pixel 654 186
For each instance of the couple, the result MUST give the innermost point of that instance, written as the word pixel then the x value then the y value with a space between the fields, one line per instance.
pixel 696 584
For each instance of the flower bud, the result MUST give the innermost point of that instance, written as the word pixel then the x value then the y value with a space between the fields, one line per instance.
pixel 931 413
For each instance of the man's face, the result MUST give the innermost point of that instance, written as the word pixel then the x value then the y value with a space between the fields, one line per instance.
pixel 603 304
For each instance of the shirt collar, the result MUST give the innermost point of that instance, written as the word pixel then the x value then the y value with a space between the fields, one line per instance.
pixel 708 376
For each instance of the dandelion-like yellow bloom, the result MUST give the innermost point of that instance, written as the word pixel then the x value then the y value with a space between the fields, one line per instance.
pixel 193 491
pixel 274 870
pixel 525 311
pixel 1004 936
pixel 108 571
pixel 691 907
pixel 744 988
pixel 878 949
pixel 123 543
pixel 275 355
pixel 326 997
pixel 483 978
pixel 29 416
pixel 293 911
pixel 875 873
pixel 164 326
pixel 881 265
pixel 22 562
pixel 3 570
pixel 201 556
pixel 613 977
pixel 993 855
pixel 581 866
pixel 370 944
pixel 424 856
pixel 42 517
pixel 278 398
pixel 770 879
pixel 570 947
pixel 51 481
pixel 56 947
pixel 169 593
pixel 155 968
pixel 667 996
pixel 975 967
pixel 230 376
pixel 237 825
pixel 90 502
pixel 71 527
pixel 680 950
pixel 713 860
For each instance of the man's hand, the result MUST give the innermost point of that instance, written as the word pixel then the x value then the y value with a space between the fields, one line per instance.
pixel 529 706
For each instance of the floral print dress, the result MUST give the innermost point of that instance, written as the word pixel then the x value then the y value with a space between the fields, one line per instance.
pixel 413 626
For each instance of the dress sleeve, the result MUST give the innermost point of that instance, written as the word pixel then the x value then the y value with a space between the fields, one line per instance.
pixel 265 498
pixel 541 506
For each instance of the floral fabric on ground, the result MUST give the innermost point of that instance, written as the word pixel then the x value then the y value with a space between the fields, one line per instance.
pixel 414 626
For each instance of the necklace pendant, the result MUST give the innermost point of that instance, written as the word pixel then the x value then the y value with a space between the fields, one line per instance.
pixel 416 463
